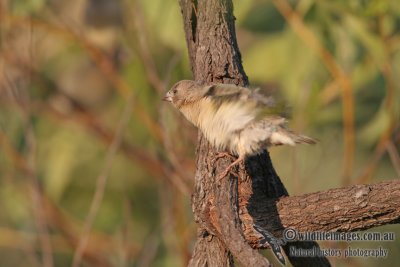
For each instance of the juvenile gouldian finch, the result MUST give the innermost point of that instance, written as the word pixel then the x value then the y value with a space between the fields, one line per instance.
pixel 233 118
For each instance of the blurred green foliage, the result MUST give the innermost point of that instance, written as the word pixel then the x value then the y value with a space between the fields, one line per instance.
pixel 68 69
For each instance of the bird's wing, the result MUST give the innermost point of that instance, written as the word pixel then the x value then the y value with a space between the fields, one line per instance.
pixel 221 93
pixel 249 99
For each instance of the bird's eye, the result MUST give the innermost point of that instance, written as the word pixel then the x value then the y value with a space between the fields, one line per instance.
pixel 174 91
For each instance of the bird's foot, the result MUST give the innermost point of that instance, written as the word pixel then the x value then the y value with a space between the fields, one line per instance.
pixel 219 155
pixel 229 168
pixel 224 154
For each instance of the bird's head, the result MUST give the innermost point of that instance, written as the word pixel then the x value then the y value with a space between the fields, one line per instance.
pixel 184 92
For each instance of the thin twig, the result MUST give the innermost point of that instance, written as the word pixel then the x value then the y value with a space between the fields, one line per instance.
pixel 153 165
pixel 101 182
pixel 101 60
pixel 41 222
pixel 379 151
pixel 55 217
pixel 22 102
pixel 394 156
pixel 145 54
pixel 149 250
pixel 371 165
pixel 160 85
pixel 44 235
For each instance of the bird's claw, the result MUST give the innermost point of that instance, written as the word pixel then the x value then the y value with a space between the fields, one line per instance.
pixel 225 173
pixel 229 168
pixel 224 154
pixel 219 155
pixel 222 175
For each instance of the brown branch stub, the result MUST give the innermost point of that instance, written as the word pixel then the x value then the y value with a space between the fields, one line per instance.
pixel 354 208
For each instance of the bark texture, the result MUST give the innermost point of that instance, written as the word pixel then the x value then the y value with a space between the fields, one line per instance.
pixel 227 210
pixel 353 208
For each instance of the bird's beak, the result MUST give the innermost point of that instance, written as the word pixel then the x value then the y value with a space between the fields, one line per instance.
pixel 167 97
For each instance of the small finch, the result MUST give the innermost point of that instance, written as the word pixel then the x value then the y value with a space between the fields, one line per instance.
pixel 233 118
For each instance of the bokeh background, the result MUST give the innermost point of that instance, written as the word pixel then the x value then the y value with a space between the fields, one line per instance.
pixel 96 170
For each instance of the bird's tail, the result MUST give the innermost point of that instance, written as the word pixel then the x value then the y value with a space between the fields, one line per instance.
pixel 303 139
pixel 286 137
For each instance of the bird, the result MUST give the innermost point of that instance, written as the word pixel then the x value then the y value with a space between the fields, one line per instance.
pixel 235 120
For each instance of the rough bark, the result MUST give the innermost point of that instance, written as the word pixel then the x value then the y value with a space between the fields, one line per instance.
pixel 353 208
pixel 209 251
pixel 227 210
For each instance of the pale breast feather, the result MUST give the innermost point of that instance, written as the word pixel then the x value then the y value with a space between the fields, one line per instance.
pixel 221 123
